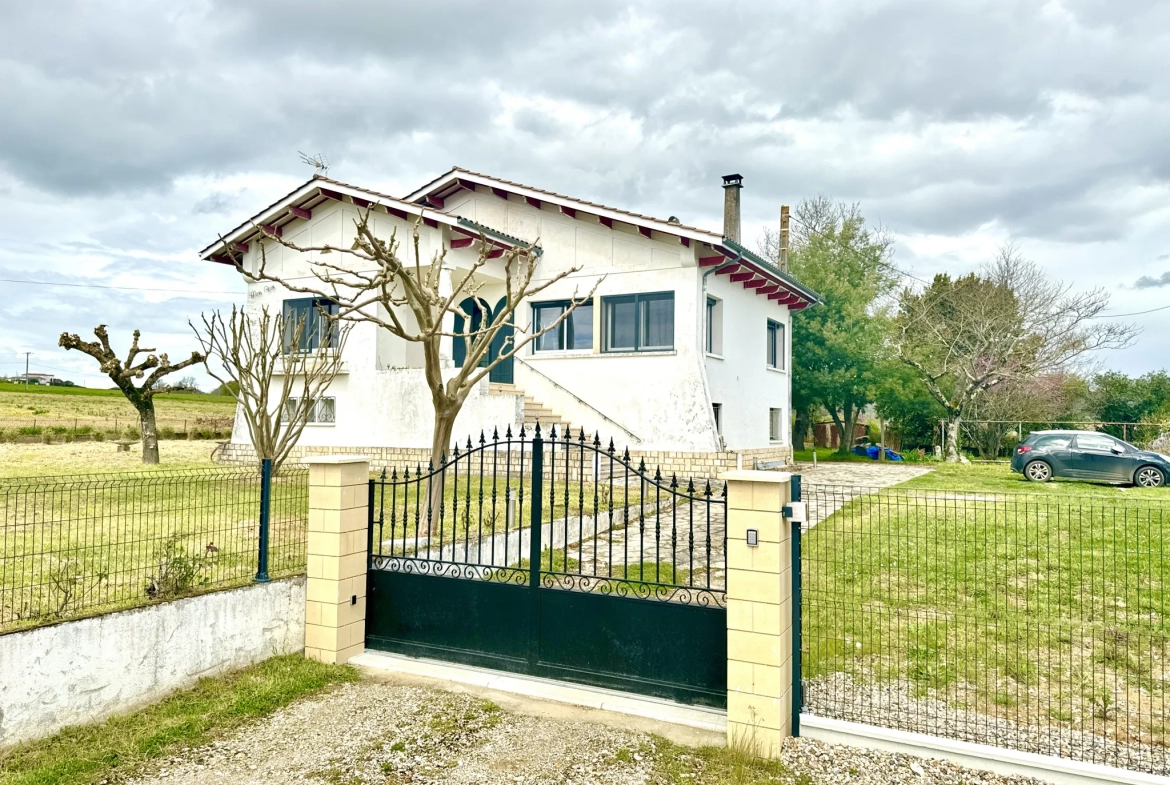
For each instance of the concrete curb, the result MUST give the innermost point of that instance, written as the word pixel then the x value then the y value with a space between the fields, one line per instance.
pixel 1060 771
pixel 547 689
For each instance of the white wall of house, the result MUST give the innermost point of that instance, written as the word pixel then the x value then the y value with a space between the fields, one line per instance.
pixel 657 400
pixel 737 372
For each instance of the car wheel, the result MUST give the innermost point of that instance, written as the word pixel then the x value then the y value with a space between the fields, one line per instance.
pixel 1149 477
pixel 1038 471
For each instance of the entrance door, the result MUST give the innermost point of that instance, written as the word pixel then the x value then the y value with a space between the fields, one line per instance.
pixel 502 373
pixel 553 558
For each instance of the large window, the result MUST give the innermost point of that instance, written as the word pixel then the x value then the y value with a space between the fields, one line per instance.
pixel 307 326
pixel 639 322
pixel 775 345
pixel 322 412
pixel 575 332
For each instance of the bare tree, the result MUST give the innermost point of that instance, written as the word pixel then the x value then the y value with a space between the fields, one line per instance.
pixel 123 375
pixel 277 386
pixel 406 297
pixel 968 335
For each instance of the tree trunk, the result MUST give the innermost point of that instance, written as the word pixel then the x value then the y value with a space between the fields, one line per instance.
pixel 440 453
pixel 799 429
pixel 953 423
pixel 149 432
pixel 845 427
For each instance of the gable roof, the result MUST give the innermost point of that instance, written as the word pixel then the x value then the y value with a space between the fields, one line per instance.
pixel 299 204
pixel 732 259
pixel 449 183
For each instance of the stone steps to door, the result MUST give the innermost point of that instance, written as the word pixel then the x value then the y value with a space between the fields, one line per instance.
pixel 534 411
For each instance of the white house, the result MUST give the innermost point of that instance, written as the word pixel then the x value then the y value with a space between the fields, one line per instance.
pixel 683 352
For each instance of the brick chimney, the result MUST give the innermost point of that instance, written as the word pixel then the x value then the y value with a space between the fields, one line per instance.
pixel 732 183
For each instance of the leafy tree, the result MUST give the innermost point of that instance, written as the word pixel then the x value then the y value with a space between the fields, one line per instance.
pixel 907 407
pixel 965 336
pixel 1117 398
pixel 839 344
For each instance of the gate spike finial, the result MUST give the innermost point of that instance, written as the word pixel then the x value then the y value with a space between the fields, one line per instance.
pixel 394 472
pixel 508 432
pixel 596 440
pixel 581 436
pixel 383 474
pixel 495 434
pixel 673 481
pixel 657 474
pixel 469 441
pixel 552 431
pixel 641 466
pixel 691 486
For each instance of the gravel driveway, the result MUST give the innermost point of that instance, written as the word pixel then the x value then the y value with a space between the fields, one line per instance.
pixel 392 732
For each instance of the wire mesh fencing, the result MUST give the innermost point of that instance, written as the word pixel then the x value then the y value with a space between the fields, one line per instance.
pixel 89 544
pixel 1031 622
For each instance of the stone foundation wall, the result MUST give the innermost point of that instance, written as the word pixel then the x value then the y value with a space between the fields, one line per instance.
pixel 703 465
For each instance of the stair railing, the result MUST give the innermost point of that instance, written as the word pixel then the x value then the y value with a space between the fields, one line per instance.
pixel 579 399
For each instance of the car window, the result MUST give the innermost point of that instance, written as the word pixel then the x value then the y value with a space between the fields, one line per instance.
pixel 1054 442
pixel 1096 442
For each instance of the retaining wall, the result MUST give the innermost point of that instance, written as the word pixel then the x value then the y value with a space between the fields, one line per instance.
pixel 84 671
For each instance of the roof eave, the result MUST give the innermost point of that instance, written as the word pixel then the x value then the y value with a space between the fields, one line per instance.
pixel 772 269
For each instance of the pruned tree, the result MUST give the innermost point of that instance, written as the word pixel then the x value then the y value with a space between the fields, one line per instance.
pixel 410 298
pixel 967 335
pixel 277 387
pixel 150 371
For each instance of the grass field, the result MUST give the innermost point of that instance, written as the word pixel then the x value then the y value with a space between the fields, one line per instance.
pixel 115 749
pixel 54 460
pixel 76 413
pixel 1048 608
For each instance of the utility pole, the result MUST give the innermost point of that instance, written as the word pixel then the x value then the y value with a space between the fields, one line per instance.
pixel 26 354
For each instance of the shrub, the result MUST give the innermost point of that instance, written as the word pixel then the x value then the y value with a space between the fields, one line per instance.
pixel 29 430
pixel 179 572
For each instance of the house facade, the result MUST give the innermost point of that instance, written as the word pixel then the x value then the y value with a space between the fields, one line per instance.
pixel 683 353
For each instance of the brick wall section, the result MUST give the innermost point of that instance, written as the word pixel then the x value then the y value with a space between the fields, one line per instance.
pixel 701 465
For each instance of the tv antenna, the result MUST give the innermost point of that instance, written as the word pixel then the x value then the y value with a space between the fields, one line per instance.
pixel 319 162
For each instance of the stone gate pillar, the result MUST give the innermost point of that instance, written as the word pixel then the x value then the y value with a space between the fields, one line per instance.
pixel 759 610
pixel 335 608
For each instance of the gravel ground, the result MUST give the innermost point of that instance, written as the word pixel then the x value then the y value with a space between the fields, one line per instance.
pixel 379 732
pixel 894 705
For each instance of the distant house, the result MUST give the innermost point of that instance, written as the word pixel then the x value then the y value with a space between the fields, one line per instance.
pixel 39 378
pixel 683 355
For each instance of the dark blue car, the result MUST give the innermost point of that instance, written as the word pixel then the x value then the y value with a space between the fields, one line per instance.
pixel 1088 455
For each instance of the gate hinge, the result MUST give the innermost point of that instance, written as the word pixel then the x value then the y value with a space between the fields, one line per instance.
pixel 796 512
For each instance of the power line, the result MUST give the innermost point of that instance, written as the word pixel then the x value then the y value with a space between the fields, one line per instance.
pixel 120 288
pixel 1135 313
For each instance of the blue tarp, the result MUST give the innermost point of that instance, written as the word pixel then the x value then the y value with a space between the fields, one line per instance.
pixel 871 452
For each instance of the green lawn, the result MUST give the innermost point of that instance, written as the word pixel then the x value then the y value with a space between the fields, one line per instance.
pixel 118 747
pixel 999 478
pixel 1049 606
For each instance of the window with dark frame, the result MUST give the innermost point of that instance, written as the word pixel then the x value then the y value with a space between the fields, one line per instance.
pixel 775 421
pixel 775 345
pixel 711 303
pixel 717 410
pixel 310 316
pixel 575 332
pixel 638 322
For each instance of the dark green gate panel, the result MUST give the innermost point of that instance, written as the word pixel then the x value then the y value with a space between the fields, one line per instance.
pixel 470 621
pixel 665 649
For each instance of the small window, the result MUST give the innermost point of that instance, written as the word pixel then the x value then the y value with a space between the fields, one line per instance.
pixel 323 412
pixel 307 324
pixel 717 410
pixel 775 421
pixel 714 326
pixel 575 332
pixel 639 322
pixel 775 345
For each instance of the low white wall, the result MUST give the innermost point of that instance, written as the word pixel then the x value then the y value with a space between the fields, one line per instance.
pixel 84 671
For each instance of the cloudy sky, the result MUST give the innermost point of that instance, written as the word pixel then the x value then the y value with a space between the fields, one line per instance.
pixel 132 132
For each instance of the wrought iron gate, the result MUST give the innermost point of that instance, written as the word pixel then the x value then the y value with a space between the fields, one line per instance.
pixel 555 558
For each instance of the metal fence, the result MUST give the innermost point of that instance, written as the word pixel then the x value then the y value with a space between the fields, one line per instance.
pixel 84 545
pixel 98 428
pixel 1034 622
pixel 991 439
pixel 610 524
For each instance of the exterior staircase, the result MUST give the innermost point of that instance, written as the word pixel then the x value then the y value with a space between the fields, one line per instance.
pixel 534 411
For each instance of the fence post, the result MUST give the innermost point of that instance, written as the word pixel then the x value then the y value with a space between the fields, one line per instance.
pixel 536 524
pixel 761 699
pixel 265 509
pixel 339 519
